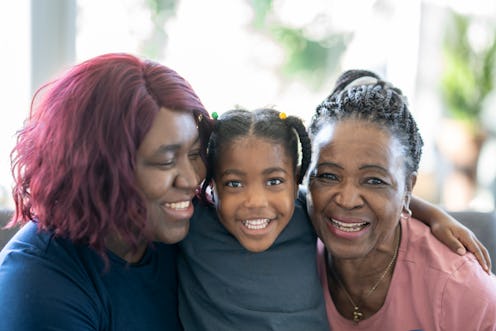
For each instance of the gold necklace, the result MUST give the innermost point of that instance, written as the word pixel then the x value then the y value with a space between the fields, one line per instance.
pixel 357 313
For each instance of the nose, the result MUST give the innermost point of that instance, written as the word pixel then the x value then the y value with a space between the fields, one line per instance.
pixel 348 196
pixel 255 197
pixel 188 175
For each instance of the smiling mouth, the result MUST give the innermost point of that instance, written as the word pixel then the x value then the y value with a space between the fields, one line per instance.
pixel 349 227
pixel 178 205
pixel 256 224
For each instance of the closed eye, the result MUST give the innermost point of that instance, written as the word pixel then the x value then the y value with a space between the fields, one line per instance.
pixel 164 164
pixel 194 155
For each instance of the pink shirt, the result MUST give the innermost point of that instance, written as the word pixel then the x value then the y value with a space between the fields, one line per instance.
pixel 432 288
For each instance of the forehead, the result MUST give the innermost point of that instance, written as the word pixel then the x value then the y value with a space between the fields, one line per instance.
pixel 250 153
pixel 170 128
pixel 357 139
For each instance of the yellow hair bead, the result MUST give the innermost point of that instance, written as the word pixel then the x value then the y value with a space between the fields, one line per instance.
pixel 282 115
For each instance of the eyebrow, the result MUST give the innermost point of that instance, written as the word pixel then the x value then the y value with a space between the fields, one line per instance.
pixel 374 166
pixel 241 173
pixel 162 149
pixel 272 170
pixel 167 148
pixel 363 167
pixel 329 164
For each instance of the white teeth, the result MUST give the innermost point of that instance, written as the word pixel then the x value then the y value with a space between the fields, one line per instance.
pixel 348 227
pixel 178 205
pixel 256 224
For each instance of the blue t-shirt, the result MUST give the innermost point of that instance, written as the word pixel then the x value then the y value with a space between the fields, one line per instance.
pixel 223 286
pixel 49 283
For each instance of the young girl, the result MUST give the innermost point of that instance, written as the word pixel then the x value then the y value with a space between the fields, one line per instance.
pixel 248 262
pixel 229 278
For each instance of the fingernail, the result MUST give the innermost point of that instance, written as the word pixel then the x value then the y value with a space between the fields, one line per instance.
pixel 461 251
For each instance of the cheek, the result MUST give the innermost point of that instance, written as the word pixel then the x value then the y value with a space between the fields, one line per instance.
pixel 391 211
pixel 319 200
pixel 221 200
pixel 154 183
pixel 225 206
pixel 200 169
pixel 289 203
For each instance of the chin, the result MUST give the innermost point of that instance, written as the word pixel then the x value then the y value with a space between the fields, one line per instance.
pixel 172 235
pixel 257 248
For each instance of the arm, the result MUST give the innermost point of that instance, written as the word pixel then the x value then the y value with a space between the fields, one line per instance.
pixel 449 231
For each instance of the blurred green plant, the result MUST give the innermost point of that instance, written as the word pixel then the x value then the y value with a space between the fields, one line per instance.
pixel 469 73
pixel 306 57
pixel 160 10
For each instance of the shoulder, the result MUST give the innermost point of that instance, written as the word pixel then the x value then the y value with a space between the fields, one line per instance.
pixel 47 257
pixel 32 246
pixel 204 222
pixel 421 245
pixel 433 259
pixel 43 275
pixel 299 227
pixel 302 195
pixel 469 299
pixel 456 287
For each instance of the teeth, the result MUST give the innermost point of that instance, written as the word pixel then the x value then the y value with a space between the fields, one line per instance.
pixel 256 224
pixel 348 227
pixel 178 205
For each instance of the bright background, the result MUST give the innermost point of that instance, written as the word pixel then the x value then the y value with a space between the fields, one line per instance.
pixel 280 53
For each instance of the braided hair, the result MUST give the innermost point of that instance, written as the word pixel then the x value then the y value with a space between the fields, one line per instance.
pixel 363 95
pixel 288 131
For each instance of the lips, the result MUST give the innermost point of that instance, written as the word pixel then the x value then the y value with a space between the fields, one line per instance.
pixel 256 224
pixel 349 226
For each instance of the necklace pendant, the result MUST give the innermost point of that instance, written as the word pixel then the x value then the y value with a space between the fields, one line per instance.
pixel 357 315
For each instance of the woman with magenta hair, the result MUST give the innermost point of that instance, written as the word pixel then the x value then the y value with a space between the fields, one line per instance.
pixel 105 171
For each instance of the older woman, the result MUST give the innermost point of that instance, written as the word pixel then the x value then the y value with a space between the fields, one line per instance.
pixel 380 268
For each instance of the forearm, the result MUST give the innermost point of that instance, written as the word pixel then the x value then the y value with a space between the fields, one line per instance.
pixel 429 213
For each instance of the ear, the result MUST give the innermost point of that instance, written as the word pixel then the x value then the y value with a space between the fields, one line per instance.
pixel 410 184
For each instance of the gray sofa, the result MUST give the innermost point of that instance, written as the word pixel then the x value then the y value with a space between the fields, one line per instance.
pixel 5 235
pixel 483 224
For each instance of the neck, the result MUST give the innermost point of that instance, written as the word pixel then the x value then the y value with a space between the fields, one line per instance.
pixel 363 283
pixel 124 250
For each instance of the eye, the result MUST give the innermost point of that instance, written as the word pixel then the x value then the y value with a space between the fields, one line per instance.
pixel 274 181
pixel 165 163
pixel 327 176
pixel 194 155
pixel 233 184
pixel 375 181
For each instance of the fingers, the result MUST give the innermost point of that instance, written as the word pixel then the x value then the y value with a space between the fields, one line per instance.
pixel 485 256
pixel 473 245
